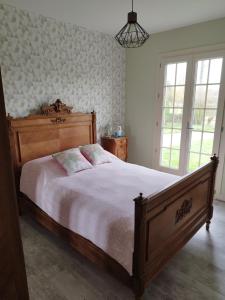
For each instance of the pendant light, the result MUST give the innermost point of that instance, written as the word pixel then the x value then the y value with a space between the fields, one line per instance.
pixel 132 35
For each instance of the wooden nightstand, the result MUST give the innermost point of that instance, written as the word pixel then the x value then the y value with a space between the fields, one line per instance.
pixel 117 146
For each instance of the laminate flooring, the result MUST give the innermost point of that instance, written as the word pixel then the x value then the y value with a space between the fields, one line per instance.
pixel 56 272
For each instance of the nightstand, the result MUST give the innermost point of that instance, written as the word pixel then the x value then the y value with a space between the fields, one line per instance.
pixel 117 146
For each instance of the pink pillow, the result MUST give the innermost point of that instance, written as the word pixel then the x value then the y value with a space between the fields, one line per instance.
pixel 95 154
pixel 72 161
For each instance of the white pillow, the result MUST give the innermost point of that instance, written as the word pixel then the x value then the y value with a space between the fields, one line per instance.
pixel 95 154
pixel 72 161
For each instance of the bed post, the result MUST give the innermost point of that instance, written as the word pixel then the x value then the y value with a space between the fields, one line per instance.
pixel 138 255
pixel 215 161
pixel 93 126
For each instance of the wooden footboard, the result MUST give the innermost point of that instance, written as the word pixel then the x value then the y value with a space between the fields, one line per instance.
pixel 165 221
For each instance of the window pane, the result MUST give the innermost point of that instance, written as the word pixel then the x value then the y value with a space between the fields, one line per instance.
pixel 177 118
pixel 200 94
pixel 179 96
pixel 181 73
pixel 202 71
pixel 172 113
pixel 169 96
pixel 204 113
pixel 175 158
pixel 170 74
pixel 210 120
pixel 176 138
pixel 207 142
pixel 167 117
pixel 204 159
pixel 193 161
pixel 215 70
pixel 166 137
pixel 212 96
pixel 165 157
pixel 198 115
pixel 196 141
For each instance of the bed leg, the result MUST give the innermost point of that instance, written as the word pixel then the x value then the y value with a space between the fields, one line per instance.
pixel 20 205
pixel 208 221
pixel 207 225
pixel 138 297
pixel 139 290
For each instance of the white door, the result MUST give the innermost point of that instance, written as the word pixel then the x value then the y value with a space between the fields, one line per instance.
pixel 191 103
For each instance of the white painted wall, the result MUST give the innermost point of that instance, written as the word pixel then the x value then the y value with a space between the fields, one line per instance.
pixel 141 82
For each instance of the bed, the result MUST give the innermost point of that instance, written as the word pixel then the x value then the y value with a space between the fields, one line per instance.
pixel 157 213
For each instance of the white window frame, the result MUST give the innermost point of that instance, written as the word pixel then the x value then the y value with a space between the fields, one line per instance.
pixel 163 62
pixel 221 169
pixel 191 56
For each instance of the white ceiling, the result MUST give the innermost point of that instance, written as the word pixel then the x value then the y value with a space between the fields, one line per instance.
pixel 109 16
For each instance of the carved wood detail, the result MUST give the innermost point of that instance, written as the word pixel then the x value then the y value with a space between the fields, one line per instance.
pixel 57 107
pixel 156 239
pixel 58 120
pixel 183 210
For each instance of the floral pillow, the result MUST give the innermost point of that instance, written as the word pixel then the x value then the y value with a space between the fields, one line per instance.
pixel 95 154
pixel 72 161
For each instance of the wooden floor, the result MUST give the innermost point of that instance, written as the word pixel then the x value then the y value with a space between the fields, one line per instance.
pixel 55 272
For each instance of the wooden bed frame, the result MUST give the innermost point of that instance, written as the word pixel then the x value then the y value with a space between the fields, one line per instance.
pixel 164 222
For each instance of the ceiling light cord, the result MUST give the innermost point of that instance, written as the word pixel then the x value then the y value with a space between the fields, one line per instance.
pixel 132 5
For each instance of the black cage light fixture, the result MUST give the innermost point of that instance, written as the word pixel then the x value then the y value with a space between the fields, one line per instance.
pixel 132 35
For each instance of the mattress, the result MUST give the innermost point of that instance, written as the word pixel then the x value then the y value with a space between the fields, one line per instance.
pixel 96 203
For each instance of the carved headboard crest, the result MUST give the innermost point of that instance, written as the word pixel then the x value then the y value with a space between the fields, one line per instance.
pixel 57 107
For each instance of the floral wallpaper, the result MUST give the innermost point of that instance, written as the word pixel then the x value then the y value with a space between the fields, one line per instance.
pixel 43 59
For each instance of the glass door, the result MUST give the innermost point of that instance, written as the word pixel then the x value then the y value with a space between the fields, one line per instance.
pixel 190 113
pixel 172 115
pixel 204 111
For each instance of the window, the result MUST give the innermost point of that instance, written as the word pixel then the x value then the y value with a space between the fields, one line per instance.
pixel 172 114
pixel 190 108
pixel 204 111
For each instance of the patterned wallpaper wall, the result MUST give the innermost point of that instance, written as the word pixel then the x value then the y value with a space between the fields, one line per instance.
pixel 43 59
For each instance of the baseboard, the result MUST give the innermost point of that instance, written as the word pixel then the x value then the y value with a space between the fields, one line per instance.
pixel 220 197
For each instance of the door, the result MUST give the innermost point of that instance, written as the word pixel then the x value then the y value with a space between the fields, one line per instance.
pixel 191 103
pixel 13 283
pixel 220 184
pixel 207 111
pixel 171 127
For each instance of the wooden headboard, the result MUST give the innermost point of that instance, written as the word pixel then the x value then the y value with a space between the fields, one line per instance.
pixel 36 136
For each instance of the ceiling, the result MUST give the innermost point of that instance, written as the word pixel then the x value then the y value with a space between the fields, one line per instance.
pixel 109 16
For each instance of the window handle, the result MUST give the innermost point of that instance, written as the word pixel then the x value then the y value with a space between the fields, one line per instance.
pixel 188 126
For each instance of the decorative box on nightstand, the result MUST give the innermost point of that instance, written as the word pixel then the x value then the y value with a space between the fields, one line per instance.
pixel 117 146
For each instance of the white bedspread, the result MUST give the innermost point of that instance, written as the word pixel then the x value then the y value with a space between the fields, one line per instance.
pixel 95 203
